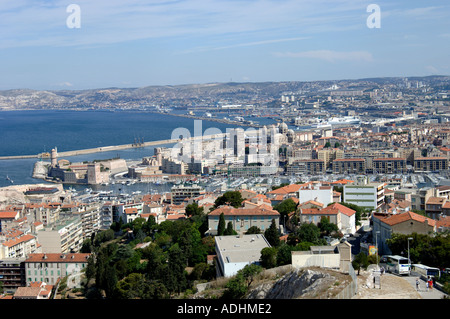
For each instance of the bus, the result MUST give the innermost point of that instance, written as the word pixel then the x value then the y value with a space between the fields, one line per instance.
pixel 426 271
pixel 397 265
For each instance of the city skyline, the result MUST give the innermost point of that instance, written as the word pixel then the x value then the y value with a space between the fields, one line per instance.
pixel 184 42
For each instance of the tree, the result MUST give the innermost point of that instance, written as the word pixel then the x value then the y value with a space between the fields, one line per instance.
pixel 221 226
pixel 238 286
pixel 268 257
pixel 150 226
pixel 360 261
pixel 136 286
pixel 231 198
pixel 194 210
pixel 430 250
pixel 90 268
pixel 176 280
pixel 253 230
pixel 87 247
pixel 284 255
pixel 285 208
pixel 103 236
pixel 272 234
pixel 229 231
pixel 326 227
pixel 308 232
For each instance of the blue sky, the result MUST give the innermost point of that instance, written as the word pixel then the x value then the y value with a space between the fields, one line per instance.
pixel 168 42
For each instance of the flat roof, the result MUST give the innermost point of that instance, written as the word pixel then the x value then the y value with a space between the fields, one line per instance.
pixel 236 249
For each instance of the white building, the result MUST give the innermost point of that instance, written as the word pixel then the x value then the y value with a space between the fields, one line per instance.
pixel 235 252
pixel 321 194
pixel 62 238
pixel 368 195
pixel 18 247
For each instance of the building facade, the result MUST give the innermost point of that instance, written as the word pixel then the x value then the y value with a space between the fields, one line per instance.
pixel 430 164
pixel 389 165
pixel 370 195
pixel 244 218
pixel 349 166
pixel 50 267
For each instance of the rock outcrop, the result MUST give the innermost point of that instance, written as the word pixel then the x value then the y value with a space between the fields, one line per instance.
pixel 299 284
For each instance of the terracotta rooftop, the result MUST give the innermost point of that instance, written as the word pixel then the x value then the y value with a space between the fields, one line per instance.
pixel 55 257
pixel 400 218
pixel 338 208
pixel 436 200
pixel 8 215
pixel 286 189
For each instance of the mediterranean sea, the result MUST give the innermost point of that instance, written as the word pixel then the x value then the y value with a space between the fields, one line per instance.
pixel 34 132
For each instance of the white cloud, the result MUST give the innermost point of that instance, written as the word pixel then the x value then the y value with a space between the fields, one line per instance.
pixel 329 56
pixel 115 21
pixel 246 44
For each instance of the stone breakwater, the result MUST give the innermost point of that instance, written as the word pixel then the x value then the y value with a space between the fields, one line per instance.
pixel 108 148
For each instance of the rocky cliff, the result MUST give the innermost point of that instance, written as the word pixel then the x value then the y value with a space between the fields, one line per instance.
pixel 304 283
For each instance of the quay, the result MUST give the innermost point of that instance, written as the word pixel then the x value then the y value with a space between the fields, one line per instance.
pixel 110 148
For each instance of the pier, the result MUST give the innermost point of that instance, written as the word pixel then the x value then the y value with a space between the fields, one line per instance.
pixel 110 148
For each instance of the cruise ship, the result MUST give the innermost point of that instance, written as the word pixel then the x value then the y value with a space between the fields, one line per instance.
pixel 338 121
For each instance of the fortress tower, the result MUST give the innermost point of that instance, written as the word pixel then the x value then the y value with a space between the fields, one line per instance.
pixel 54 157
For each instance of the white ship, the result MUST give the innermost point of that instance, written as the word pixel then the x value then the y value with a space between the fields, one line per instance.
pixel 338 121
pixel 346 120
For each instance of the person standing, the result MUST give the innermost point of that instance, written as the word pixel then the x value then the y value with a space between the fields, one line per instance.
pixel 417 284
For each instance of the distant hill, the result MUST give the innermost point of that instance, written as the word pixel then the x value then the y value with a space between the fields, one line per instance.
pixel 190 94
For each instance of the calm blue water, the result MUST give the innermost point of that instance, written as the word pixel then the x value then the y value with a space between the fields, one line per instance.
pixel 33 132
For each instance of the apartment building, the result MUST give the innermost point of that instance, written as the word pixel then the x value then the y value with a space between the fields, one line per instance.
pixel 63 237
pixel 310 166
pixel 12 273
pixel 434 206
pixel 7 219
pixel 180 193
pixel 368 195
pixel 47 213
pixel 328 155
pixel 128 212
pixel 430 164
pixel 106 216
pixel 420 197
pixel 388 165
pixel 349 166
pixel 18 246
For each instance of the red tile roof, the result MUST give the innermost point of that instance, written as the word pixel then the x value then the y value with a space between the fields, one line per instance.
pixel 18 240
pixel 339 208
pixel 8 214
pixel 260 210
pixel 400 218
pixel 54 257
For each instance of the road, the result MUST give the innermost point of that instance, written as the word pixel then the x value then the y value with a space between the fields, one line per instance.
pixel 423 291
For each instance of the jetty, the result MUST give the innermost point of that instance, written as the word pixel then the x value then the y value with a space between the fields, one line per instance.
pixel 111 148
